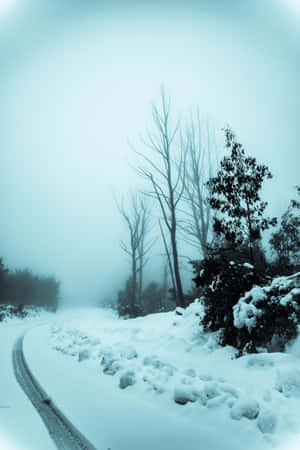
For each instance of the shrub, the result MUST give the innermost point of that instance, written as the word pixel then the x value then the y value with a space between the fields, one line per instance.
pixel 268 316
pixel 247 316
pixel 126 306
pixel 223 283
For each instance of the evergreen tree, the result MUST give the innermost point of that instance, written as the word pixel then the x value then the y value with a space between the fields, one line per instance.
pixel 127 306
pixel 286 240
pixel 3 273
pixel 235 196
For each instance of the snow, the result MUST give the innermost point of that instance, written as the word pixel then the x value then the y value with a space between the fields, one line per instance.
pixel 157 382
pixel 164 370
pixel 20 425
pixel 246 311
pixel 246 407
pixel 288 382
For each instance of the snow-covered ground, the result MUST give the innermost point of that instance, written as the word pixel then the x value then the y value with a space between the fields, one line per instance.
pixel 160 382
pixel 20 425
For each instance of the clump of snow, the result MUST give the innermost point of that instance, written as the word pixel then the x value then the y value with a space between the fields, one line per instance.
pixel 245 312
pixel 191 373
pixel 289 297
pixel 267 422
pixel 260 360
pixel 129 352
pixel 288 382
pixel 274 309
pixel 209 391
pixel 286 282
pixel 127 379
pixel 184 394
pixel 19 312
pixel 183 365
pixel 84 354
pixel 74 342
pixel 247 407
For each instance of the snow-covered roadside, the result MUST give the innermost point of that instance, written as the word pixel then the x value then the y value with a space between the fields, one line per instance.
pixel 251 402
pixel 21 428
pixel 131 418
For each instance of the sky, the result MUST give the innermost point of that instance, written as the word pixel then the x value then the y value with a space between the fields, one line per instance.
pixel 77 80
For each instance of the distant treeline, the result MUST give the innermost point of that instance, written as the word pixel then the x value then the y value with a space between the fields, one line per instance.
pixel 22 287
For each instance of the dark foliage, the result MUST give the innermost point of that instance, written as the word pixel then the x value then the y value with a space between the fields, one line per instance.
pixel 3 274
pixel 126 306
pixel 234 195
pixel 12 311
pixel 285 242
pixel 278 316
pixel 223 282
pixel 155 298
pixel 22 287
pixel 226 287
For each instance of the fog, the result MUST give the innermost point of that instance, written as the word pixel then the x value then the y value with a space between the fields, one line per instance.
pixel 76 83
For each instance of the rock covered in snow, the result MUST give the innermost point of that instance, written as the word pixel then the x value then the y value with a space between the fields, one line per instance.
pixel 248 408
pixel 228 389
pixel 267 422
pixel 84 354
pixel 127 379
pixel 191 373
pixel 112 367
pixel 179 311
pixel 209 391
pixel 128 352
pixel 153 361
pixel 184 394
pixel 288 382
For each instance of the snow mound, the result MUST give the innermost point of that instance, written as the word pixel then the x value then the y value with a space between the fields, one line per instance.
pixel 127 379
pixel 74 342
pixel 288 382
pixel 84 354
pixel 19 312
pixel 260 360
pixel 267 422
pixel 247 407
pixel 167 358
pixel 184 394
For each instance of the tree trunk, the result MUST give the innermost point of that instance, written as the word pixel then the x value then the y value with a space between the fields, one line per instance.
pixel 179 292
pixel 134 282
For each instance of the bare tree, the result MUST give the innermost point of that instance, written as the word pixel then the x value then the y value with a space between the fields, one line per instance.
pixel 200 144
pixel 165 169
pixel 137 219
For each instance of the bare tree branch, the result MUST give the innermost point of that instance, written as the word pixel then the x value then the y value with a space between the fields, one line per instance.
pixel 166 177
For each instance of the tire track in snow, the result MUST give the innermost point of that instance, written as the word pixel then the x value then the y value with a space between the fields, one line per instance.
pixel 63 433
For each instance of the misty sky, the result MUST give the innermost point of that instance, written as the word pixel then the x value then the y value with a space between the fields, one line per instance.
pixel 77 79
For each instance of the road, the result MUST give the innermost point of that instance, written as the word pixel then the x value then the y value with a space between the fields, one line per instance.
pixel 64 435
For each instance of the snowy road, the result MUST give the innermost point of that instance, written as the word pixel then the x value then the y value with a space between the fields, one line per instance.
pixel 63 433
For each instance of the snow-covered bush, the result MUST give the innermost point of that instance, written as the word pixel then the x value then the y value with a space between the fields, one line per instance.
pixel 267 317
pixel 9 311
pixel 223 283
pixel 20 311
